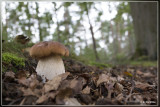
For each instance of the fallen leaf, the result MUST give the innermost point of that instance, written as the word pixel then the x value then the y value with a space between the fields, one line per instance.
pixel 62 94
pixel 52 94
pixel 120 97
pixel 148 75
pixel 102 78
pixel 77 84
pixel 128 73
pixel 42 99
pixel 55 82
pixel 86 90
pixel 64 75
pixel 33 84
pixel 119 78
pixel 112 79
pixel 142 86
pixel 52 84
pixel 22 73
pixel 138 72
pixel 138 98
pixel 119 87
pixel 10 74
pixel 24 81
pixel 28 92
pixel 72 102
pixel 65 84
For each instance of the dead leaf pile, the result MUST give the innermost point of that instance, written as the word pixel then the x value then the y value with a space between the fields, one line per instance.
pixel 82 85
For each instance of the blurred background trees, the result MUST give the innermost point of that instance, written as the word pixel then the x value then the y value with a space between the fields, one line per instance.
pixel 93 31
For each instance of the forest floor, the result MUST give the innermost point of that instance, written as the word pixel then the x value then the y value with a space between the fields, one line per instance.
pixel 80 85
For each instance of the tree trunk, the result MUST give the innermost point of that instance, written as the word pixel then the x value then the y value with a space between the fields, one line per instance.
pixel 93 39
pixel 39 23
pixel 145 25
pixel 66 18
pixel 29 33
pixel 58 31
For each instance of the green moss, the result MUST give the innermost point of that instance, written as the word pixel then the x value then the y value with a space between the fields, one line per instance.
pixel 15 48
pixel 142 58
pixel 143 63
pixel 100 65
pixel 9 58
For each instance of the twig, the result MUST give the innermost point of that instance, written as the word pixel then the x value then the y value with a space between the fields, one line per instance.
pixel 132 87
pixel 22 102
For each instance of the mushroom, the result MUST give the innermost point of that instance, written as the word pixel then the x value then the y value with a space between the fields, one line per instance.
pixel 50 63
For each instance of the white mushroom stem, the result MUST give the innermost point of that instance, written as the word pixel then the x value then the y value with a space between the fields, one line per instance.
pixel 50 67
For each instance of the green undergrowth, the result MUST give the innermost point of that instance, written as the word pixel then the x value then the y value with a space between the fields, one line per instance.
pixel 14 48
pixel 89 62
pixel 100 65
pixel 144 63
pixel 139 62
pixel 12 56
pixel 13 60
pixel 9 58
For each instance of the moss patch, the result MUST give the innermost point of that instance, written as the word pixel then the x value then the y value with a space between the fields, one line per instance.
pixel 100 65
pixel 14 48
pixel 13 59
pixel 143 63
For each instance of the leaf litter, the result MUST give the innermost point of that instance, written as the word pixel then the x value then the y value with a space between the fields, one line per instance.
pixel 82 85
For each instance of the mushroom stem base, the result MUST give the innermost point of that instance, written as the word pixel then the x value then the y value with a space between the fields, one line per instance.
pixel 50 67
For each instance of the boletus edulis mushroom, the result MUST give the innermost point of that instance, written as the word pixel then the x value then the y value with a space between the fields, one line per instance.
pixel 49 54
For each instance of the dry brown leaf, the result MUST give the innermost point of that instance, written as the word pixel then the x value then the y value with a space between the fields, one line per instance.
pixel 148 75
pixel 142 86
pixel 45 97
pixel 130 70
pixel 86 90
pixel 102 78
pixel 119 87
pixel 55 82
pixel 37 91
pixel 52 84
pixel 71 102
pixel 22 73
pixel 138 72
pixel 119 78
pixel 10 74
pixel 64 84
pixel 64 75
pixel 28 92
pixel 33 84
pixel 62 94
pixel 128 74
pixel 138 98
pixel 42 99
pixel 77 84
pixel 120 97
pixel 112 79
pixel 24 81
pixel 52 94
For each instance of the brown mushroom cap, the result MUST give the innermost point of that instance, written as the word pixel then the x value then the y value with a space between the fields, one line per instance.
pixel 47 48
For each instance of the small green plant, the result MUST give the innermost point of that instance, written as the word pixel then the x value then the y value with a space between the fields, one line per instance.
pixel 9 58
pixel 100 65
pixel 143 63
pixel 142 58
